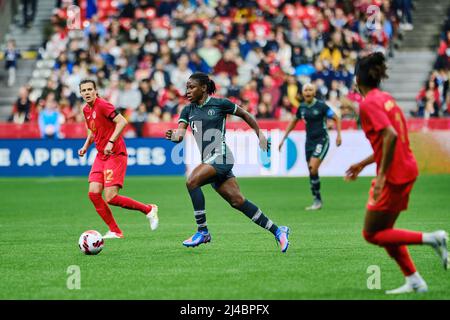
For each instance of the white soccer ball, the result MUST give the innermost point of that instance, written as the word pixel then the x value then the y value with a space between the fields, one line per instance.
pixel 91 242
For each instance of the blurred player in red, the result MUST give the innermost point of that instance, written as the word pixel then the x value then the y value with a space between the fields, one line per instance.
pixel 384 124
pixel 105 126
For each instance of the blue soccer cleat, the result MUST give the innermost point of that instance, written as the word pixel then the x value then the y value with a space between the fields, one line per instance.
pixel 197 239
pixel 282 237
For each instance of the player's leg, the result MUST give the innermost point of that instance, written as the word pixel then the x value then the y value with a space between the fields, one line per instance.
pixel 201 175
pixel 102 208
pixel 314 181
pixel 114 176
pixel 378 229
pixel 229 190
pixel 316 153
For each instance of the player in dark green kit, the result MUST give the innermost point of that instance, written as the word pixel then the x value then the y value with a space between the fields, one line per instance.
pixel 315 114
pixel 206 116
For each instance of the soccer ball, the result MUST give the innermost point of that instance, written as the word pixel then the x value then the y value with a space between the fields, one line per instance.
pixel 91 242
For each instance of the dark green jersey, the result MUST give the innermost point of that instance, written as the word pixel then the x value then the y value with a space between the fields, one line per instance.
pixel 207 122
pixel 315 116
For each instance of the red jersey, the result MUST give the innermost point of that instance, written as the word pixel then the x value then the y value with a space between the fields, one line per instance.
pixel 99 119
pixel 377 111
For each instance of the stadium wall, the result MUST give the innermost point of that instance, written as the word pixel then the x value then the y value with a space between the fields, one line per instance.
pixel 157 156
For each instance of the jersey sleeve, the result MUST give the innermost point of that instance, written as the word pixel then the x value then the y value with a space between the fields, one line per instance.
pixel 229 107
pixel 374 116
pixel 184 115
pixel 329 113
pixel 108 110
pixel 298 114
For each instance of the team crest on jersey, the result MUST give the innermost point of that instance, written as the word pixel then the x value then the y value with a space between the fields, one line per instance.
pixel 211 112
pixel 315 112
pixel 94 115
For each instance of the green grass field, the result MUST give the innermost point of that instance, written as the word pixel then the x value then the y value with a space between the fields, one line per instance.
pixel 42 219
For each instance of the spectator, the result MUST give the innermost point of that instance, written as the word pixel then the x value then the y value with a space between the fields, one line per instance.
pixel 210 53
pixel 22 107
pixel 129 96
pixel 28 12
pixel 265 109
pixel 138 119
pixel 227 64
pixel 269 89
pixel 50 119
pixel 11 57
pixel 197 64
pixel 428 100
pixel 181 73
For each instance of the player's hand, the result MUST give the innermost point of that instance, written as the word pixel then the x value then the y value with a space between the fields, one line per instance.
pixel 108 149
pixel 378 187
pixel 352 172
pixel 263 143
pixel 338 140
pixel 82 152
pixel 169 134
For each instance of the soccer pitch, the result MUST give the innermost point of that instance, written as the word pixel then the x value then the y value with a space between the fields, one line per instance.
pixel 41 220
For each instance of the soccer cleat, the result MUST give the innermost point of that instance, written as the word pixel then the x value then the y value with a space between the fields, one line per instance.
pixel 441 246
pixel 152 216
pixel 418 287
pixel 113 235
pixel 282 237
pixel 197 239
pixel 317 205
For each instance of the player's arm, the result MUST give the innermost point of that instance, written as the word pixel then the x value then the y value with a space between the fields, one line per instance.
pixel 178 134
pixel 87 144
pixel 250 120
pixel 290 127
pixel 121 123
pixel 338 122
pixel 354 170
pixel 389 139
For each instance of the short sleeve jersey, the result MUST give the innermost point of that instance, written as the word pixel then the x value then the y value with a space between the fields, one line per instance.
pixel 207 122
pixel 377 111
pixel 99 119
pixel 315 116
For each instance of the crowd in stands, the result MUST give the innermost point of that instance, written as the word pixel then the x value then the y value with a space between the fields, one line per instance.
pixel 433 100
pixel 259 53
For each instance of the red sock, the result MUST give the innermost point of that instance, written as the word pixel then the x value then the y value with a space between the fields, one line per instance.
pixel 104 211
pixel 393 237
pixel 129 203
pixel 401 255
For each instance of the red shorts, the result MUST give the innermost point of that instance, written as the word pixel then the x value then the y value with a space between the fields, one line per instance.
pixel 394 197
pixel 109 172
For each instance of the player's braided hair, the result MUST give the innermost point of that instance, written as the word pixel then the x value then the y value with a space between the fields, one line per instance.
pixel 371 70
pixel 204 79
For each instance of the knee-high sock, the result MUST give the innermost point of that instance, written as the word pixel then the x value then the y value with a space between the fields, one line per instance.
pixel 257 216
pixel 104 211
pixel 198 202
pixel 128 203
pixel 393 237
pixel 401 255
pixel 314 181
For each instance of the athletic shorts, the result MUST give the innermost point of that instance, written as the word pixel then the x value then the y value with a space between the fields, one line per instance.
pixel 394 197
pixel 224 172
pixel 109 172
pixel 317 148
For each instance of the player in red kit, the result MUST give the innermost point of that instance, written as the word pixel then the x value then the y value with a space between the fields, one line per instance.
pixel 105 126
pixel 384 124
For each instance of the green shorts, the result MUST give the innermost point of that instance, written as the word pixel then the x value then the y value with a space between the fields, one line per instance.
pixel 317 148
pixel 224 172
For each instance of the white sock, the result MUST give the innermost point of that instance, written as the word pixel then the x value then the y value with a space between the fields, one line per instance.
pixel 429 238
pixel 414 278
